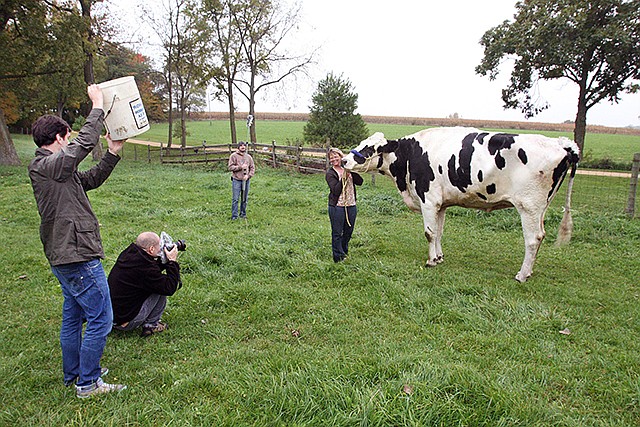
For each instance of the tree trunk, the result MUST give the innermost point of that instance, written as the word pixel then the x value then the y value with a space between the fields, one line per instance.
pixel 252 112
pixel 580 126
pixel 232 114
pixel 170 89
pixel 8 154
pixel 183 123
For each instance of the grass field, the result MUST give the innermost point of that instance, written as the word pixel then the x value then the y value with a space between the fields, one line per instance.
pixel 268 331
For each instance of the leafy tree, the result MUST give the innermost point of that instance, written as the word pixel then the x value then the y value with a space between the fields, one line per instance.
pixel 22 30
pixel 332 116
pixel 595 44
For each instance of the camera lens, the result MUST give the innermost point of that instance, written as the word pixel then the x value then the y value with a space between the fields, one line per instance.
pixel 181 244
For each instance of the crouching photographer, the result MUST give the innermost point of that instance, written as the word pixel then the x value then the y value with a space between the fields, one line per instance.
pixel 145 274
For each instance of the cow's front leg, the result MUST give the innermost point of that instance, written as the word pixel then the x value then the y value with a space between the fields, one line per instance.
pixel 429 216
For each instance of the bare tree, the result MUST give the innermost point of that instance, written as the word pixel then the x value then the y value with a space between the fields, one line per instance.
pixel 165 28
pixel 183 46
pixel 226 53
pixel 263 26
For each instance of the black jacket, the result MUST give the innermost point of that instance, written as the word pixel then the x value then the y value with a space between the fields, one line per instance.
pixel 135 276
pixel 335 185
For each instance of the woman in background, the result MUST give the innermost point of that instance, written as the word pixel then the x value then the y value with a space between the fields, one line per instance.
pixel 342 203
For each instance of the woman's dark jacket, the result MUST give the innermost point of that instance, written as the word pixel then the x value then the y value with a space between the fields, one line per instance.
pixel 335 185
pixel 134 277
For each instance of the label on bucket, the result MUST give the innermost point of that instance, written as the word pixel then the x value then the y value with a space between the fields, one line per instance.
pixel 139 115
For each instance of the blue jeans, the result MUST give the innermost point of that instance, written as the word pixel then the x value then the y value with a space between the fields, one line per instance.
pixel 341 230
pixel 86 298
pixel 239 194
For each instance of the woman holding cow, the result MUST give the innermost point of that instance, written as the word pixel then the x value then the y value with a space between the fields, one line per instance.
pixel 342 203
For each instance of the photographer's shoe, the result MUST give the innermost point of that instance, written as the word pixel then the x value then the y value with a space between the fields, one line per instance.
pixel 148 330
pixel 99 387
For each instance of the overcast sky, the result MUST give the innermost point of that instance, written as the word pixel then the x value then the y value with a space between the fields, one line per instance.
pixel 416 58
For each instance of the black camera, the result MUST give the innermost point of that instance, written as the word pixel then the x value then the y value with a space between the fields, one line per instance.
pixel 166 242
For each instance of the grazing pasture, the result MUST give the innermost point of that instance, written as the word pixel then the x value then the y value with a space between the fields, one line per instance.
pixel 267 330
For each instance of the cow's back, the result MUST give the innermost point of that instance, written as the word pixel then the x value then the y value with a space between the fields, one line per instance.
pixel 490 170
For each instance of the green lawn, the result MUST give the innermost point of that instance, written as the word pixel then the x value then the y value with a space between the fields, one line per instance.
pixel 268 331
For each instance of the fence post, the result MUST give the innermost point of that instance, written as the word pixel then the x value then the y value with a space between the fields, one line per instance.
pixel 633 186
pixel 299 149
pixel 204 148
pixel 273 153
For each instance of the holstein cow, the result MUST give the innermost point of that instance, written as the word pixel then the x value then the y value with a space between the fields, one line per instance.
pixel 441 167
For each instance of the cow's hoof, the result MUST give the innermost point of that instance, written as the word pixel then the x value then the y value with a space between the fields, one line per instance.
pixel 440 259
pixel 521 277
pixel 431 263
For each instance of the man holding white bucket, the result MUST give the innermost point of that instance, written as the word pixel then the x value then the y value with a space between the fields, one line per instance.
pixel 242 169
pixel 70 234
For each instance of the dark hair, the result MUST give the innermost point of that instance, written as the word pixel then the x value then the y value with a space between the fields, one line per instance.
pixel 47 127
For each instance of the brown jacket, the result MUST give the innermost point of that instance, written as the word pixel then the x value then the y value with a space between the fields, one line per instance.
pixel 236 163
pixel 69 229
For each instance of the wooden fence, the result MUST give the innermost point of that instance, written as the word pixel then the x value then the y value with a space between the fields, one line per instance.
pixel 622 191
pixel 300 159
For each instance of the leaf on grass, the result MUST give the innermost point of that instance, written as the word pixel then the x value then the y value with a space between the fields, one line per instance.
pixel 565 331
pixel 295 333
pixel 408 389
pixel 24 276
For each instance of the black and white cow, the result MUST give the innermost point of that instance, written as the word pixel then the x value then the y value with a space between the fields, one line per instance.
pixel 441 167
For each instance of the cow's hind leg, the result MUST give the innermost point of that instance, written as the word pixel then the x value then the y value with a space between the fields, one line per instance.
pixel 532 219
pixel 429 217
pixel 439 231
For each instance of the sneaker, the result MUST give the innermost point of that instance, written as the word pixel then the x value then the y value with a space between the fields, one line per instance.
pixel 103 372
pixel 148 330
pixel 99 387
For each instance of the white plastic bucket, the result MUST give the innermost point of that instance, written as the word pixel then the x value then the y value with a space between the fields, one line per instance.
pixel 125 116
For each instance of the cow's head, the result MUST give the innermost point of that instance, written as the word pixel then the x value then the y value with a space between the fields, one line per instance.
pixel 366 156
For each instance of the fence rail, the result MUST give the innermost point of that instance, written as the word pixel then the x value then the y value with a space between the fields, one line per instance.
pixel 301 159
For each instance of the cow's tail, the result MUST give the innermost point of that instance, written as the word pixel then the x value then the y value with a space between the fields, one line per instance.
pixel 566 225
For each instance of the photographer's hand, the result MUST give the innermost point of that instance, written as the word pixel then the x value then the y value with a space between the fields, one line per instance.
pixel 172 255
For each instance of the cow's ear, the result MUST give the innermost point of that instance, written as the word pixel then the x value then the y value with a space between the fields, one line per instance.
pixel 389 147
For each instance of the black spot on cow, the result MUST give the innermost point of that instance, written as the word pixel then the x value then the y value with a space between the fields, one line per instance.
pixel 460 176
pixel 522 155
pixel 500 141
pixel 440 169
pixel 558 174
pixel 365 153
pixel 412 164
pixel 480 137
pixel 480 176
pixel 491 189
pixel 482 196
